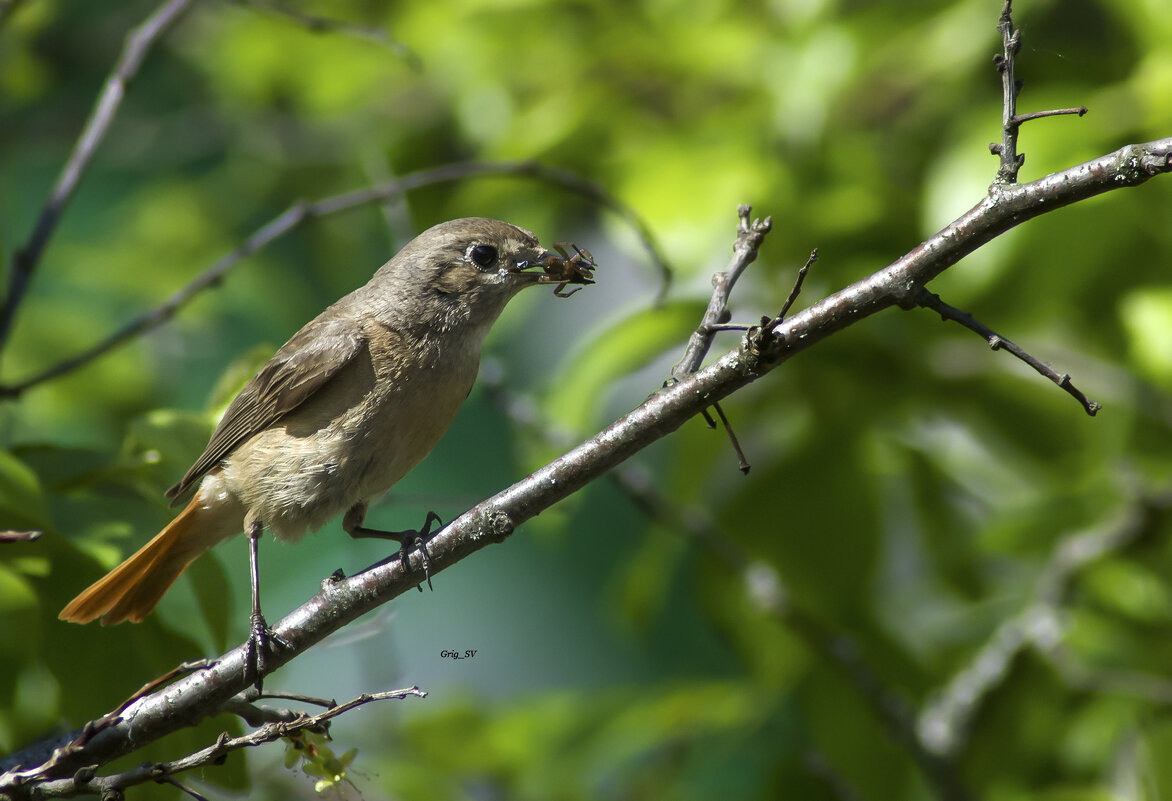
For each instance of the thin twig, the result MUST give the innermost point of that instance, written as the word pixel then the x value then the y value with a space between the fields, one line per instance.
pixel 325 703
pixel 928 300
pixel 301 212
pixel 19 536
pixel 772 325
pixel 316 24
pixel 1011 121
pixel 162 771
pixel 1018 119
pixel 77 740
pixel 138 44
pixel 750 235
pixel 1010 45
pixel 742 462
pixel 256 715
pixel 183 788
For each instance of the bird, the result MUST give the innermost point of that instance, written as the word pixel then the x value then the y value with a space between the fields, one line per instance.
pixel 342 411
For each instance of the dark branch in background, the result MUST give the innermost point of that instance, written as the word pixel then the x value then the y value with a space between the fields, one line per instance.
pixel 818 766
pixel 396 213
pixel 6 9
pixel 947 717
pixel 86 781
pixel 922 297
pixel 138 44
pixel 19 536
pixel 302 212
pixel 1011 121
pixel 317 24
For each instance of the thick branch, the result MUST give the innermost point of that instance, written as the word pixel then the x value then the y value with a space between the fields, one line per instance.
pixel 342 601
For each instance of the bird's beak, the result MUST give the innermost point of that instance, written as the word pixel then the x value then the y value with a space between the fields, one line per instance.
pixel 528 271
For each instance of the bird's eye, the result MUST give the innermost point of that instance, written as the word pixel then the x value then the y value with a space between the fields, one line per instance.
pixel 483 255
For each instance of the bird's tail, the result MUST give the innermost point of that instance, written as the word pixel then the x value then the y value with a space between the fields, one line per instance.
pixel 131 590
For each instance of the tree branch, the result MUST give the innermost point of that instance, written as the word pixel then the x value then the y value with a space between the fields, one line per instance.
pixel 750 235
pixel 85 782
pixel 19 536
pixel 1011 121
pixel 302 212
pixel 945 720
pixel 138 44
pixel 343 600
pixel 317 24
pixel 932 301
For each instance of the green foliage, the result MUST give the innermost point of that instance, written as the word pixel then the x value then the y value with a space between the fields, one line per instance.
pixel 310 753
pixel 913 494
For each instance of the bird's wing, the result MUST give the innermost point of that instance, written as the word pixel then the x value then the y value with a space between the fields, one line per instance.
pixel 302 366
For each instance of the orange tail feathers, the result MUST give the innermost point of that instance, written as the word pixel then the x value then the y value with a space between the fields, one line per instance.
pixel 131 590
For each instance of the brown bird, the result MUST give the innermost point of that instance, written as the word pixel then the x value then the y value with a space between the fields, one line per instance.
pixel 342 411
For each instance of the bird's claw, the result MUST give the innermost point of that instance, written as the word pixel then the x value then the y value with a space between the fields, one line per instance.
pixel 417 541
pixel 261 639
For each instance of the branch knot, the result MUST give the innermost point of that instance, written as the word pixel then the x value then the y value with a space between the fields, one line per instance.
pixel 498 525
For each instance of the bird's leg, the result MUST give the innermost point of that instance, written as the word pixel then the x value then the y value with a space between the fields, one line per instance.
pixel 352 523
pixel 260 636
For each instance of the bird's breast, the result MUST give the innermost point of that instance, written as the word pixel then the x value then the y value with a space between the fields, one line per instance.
pixel 354 438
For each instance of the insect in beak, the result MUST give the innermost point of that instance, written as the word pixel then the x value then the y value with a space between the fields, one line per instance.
pixel 563 269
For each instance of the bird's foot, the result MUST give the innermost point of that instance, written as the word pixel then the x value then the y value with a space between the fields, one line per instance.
pixel 408 541
pixel 261 639
pixel 417 539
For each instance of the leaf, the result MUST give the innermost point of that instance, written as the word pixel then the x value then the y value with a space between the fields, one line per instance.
pixel 15 590
pixel 22 501
pixel 1130 589
pixel 578 395
pixel 1147 318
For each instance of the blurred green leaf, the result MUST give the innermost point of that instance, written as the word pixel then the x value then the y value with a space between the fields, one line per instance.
pixel 629 344
pixel 22 502
pixel 1130 589
pixel 1147 318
